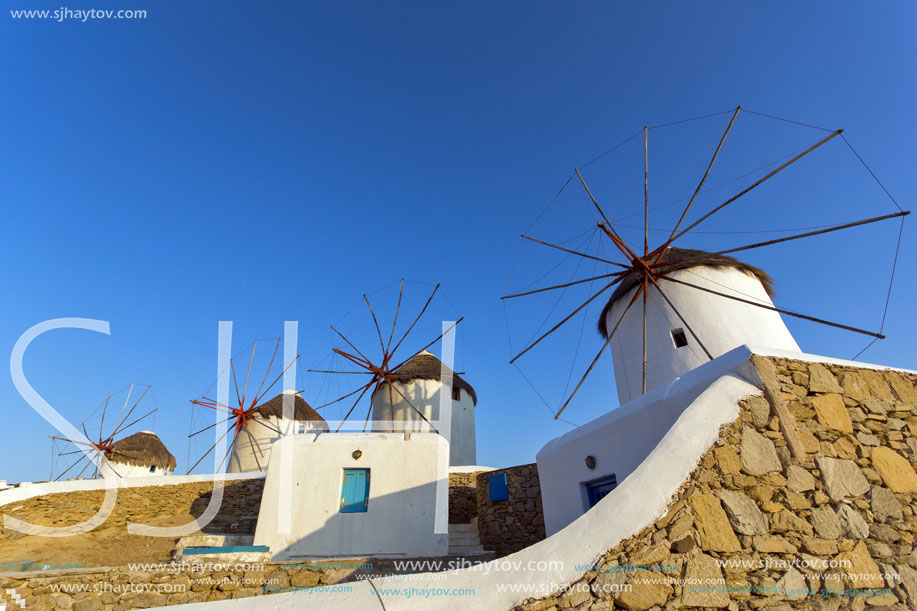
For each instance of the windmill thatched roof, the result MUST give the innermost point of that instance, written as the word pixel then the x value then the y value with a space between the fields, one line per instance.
pixel 685 258
pixel 143 449
pixel 302 411
pixel 425 366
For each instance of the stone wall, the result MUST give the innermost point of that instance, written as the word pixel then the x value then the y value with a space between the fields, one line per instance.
pixel 807 501
pixel 508 526
pixel 463 497
pixel 110 544
pixel 123 588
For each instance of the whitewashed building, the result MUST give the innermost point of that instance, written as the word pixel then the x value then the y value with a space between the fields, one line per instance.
pixel 355 495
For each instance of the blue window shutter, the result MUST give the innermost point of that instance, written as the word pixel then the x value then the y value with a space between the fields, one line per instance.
pixel 496 485
pixel 355 491
pixel 598 489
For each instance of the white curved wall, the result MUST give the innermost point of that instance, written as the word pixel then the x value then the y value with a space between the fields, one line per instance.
pixel 125 470
pixel 721 323
pixel 251 448
pixel 398 416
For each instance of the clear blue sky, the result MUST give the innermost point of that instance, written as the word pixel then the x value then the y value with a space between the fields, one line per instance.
pixel 269 162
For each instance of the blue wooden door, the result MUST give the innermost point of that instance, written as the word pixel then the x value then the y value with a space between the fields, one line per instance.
pixel 355 491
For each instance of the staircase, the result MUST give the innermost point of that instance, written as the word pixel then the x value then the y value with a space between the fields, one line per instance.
pixel 464 540
pixel 214 547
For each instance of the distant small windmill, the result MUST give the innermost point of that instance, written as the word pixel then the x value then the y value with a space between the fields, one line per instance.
pixel 104 445
pixel 254 423
pixel 382 370
pixel 643 272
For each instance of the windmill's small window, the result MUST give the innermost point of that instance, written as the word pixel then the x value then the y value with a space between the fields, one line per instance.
pixel 355 491
pixel 497 488
pixel 679 338
pixel 153 469
pixel 302 429
pixel 456 393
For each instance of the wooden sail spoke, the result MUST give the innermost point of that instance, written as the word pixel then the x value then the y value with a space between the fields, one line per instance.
pixel 350 411
pixel 776 309
pixel 376 323
pixel 215 444
pixel 702 180
pixel 574 252
pixel 568 317
pixel 357 350
pixel 757 183
pixel 268 370
pixel 814 233
pixel 453 326
pixel 247 373
pixel 422 310
pixel 395 319
pixel 207 428
pixel 565 285
pixel 277 379
pixel 597 356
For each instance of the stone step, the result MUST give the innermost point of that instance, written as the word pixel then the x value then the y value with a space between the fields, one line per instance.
pixel 464 539
pixel 222 557
pixel 462 550
pixel 215 540
pixel 463 528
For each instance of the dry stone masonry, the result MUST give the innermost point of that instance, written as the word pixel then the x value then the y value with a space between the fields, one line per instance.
pixel 757 526
pixel 463 497
pixel 510 525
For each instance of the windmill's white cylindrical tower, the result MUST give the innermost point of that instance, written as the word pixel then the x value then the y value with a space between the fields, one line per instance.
pixel 720 323
pixel 418 383
pixel 251 447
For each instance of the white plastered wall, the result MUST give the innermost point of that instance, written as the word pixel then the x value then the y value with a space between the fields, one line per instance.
pixel 402 507
pixel 722 324
pixel 126 470
pixel 398 415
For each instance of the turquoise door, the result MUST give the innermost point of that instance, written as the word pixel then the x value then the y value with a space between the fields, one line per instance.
pixel 355 491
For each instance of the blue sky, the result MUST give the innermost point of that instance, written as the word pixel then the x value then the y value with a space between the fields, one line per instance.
pixel 232 161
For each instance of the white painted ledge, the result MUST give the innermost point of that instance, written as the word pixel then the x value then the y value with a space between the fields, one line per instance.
pixel 470 469
pixel 28 491
pixel 815 358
